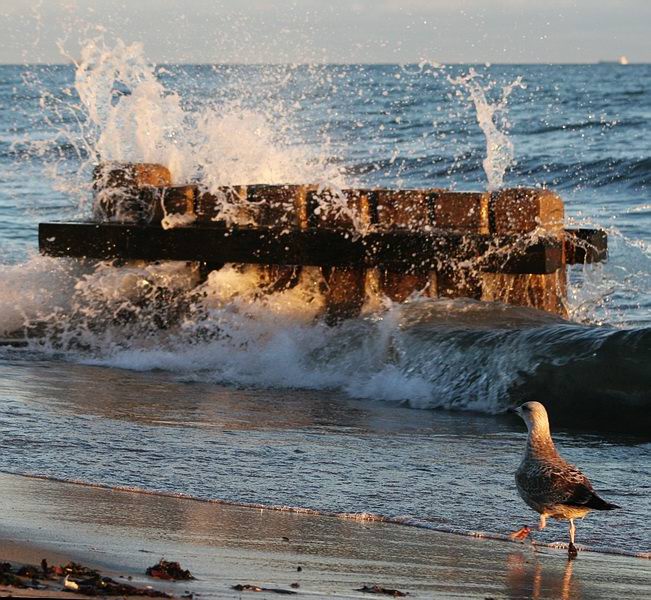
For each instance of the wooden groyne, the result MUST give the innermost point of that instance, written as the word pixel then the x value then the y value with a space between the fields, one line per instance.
pixel 509 246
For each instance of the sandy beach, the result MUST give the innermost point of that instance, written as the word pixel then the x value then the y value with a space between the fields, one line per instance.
pixel 123 533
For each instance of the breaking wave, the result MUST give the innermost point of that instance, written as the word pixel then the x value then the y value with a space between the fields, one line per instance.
pixel 453 354
pixel 459 355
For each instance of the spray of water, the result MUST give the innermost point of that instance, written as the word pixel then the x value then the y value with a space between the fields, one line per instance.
pixel 120 110
pixel 493 121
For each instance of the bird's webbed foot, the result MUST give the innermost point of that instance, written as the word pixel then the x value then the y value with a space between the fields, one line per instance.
pixel 521 534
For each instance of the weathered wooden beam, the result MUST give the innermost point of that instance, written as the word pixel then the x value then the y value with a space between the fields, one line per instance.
pixel 130 175
pixel 401 250
pixel 126 192
pixel 172 202
pixel 277 206
pixel 430 241
pixel 517 210
pixel 462 211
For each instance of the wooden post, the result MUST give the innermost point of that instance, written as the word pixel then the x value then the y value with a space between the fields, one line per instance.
pixel 215 207
pixel 173 206
pixel 130 175
pixel 465 212
pixel 118 190
pixel 222 205
pixel 350 210
pixel 524 210
pixel 410 210
pixel 141 193
pixel 263 206
pixel 278 206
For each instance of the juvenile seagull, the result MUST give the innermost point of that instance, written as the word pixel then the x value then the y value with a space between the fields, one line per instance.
pixel 549 484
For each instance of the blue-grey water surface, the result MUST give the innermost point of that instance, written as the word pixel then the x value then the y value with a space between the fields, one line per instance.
pixel 396 413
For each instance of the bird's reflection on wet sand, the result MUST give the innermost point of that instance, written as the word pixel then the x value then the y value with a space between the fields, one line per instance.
pixel 530 577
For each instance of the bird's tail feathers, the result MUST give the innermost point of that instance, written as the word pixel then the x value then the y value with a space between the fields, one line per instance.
pixel 597 503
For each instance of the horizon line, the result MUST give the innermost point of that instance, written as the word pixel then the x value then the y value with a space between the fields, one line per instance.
pixel 341 63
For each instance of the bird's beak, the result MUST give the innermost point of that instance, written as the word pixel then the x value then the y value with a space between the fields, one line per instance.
pixel 513 410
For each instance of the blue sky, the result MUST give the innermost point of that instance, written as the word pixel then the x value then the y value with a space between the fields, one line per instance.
pixel 214 31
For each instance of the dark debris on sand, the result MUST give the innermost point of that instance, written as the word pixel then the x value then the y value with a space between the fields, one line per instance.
pixel 8 577
pixel 169 570
pixel 71 577
pixel 376 589
pixel 246 587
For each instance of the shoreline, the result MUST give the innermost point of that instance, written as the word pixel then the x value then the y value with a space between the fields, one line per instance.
pixel 355 517
pixel 123 532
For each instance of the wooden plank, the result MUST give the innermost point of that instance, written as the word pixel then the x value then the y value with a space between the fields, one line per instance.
pixel 130 175
pixel 278 206
pixel 457 282
pixel 398 250
pixel 404 209
pixel 347 209
pixel 518 210
pixel 172 200
pixel 211 206
pixel 465 212
pixel 461 211
pixel 546 292
pixel 344 294
pixel 126 192
pixel 398 285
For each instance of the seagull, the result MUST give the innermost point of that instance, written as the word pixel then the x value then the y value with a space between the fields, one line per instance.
pixel 548 483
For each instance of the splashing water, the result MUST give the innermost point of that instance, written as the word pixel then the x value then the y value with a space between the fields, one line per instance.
pixel 223 126
pixel 493 121
pixel 130 117
pixel 126 114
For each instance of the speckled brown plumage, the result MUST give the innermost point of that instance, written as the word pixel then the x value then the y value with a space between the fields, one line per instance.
pixel 548 483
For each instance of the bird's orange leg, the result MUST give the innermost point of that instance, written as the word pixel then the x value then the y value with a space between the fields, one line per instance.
pixel 543 522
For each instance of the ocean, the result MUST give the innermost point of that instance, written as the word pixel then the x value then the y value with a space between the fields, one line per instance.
pixel 251 399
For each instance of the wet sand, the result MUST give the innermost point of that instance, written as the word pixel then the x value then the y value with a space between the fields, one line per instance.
pixel 123 533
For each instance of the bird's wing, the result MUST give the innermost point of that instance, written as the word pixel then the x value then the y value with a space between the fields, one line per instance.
pixel 555 483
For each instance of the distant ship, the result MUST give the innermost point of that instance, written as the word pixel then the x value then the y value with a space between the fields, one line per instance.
pixel 622 60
